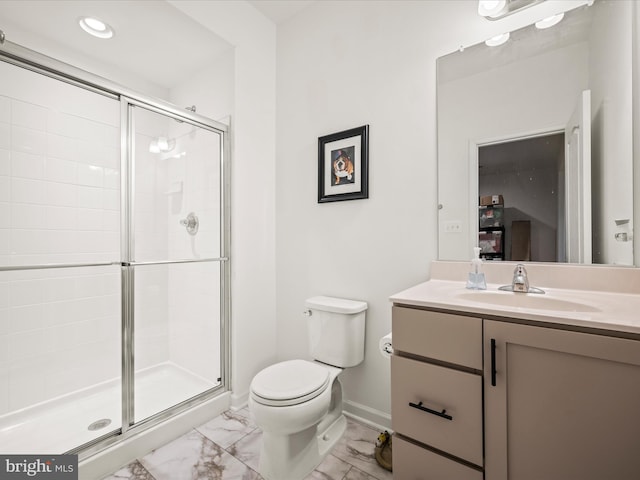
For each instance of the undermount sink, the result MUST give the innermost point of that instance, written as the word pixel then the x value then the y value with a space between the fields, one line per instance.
pixel 524 300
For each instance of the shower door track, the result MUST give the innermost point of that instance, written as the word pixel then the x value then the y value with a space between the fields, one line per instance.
pixel 23 57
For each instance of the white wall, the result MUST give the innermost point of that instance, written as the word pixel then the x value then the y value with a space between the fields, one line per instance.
pixel 341 65
pixel 211 90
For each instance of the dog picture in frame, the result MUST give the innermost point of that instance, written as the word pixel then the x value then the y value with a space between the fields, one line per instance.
pixel 343 165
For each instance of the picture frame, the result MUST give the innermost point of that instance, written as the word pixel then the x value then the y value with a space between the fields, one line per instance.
pixel 343 165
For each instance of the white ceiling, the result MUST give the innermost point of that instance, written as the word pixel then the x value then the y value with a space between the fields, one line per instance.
pixel 534 153
pixel 280 10
pixel 153 40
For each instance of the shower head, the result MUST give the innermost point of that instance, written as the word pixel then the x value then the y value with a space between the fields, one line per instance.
pixel 192 108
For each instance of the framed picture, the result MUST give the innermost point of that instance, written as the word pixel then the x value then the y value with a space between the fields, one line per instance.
pixel 343 165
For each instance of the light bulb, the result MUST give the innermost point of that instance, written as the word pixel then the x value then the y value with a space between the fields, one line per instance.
pixel 498 40
pixel 490 8
pixel 96 27
pixel 550 21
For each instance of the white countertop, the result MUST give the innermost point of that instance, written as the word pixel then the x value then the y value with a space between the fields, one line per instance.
pixel 619 312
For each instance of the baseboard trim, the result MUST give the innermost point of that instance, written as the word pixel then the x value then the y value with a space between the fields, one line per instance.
pixel 376 419
pixel 238 402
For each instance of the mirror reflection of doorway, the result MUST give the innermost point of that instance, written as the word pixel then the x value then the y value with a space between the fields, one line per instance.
pixel 529 174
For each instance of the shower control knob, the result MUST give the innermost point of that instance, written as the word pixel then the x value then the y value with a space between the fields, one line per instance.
pixel 191 223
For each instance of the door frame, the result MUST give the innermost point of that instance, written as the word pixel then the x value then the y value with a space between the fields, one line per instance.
pixel 474 177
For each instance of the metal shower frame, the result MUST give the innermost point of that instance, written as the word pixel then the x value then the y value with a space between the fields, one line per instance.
pixel 23 57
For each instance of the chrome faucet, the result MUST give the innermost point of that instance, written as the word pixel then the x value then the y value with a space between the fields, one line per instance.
pixel 520 282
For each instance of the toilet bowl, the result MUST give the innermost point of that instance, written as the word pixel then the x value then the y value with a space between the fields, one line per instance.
pixel 298 403
pixel 302 423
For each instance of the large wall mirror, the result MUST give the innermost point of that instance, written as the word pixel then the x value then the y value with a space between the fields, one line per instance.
pixel 535 143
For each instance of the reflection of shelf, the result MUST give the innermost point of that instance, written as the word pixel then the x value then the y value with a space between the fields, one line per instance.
pixel 490 216
pixel 491 238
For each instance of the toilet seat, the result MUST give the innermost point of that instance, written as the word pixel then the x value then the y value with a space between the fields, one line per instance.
pixel 289 383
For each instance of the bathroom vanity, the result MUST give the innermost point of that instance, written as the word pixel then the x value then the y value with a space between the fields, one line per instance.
pixel 502 385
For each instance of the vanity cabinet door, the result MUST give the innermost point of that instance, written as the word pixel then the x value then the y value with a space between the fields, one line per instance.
pixel 560 405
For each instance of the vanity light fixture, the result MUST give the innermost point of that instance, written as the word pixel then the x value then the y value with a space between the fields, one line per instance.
pixel 491 8
pixel 498 40
pixel 162 145
pixel 96 27
pixel 549 21
pixel 497 9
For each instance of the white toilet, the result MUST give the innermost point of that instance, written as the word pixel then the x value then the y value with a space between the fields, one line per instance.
pixel 298 403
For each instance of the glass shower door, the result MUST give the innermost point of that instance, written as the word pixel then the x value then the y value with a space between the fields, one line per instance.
pixel 175 261
pixel 60 323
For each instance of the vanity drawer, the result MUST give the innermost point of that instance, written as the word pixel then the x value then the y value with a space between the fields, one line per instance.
pixel 438 388
pixel 450 338
pixel 411 462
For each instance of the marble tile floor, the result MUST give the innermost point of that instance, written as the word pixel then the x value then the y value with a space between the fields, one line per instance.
pixel 228 448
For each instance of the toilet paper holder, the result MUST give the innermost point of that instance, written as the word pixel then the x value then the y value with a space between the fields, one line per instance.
pixel 385 346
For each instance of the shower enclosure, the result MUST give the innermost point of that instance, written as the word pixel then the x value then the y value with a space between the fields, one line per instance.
pixel 114 269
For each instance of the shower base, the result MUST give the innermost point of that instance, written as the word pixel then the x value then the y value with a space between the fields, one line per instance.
pixel 62 424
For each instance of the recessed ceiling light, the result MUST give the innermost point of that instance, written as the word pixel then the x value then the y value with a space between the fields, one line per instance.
pixel 550 21
pixel 498 40
pixel 96 27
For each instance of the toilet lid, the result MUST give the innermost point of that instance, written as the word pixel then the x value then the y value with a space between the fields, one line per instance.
pixel 289 383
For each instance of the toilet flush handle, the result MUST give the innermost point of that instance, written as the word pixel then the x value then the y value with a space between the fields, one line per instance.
pixel 307 313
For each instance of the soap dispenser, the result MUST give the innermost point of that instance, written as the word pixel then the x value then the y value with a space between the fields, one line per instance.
pixel 476 280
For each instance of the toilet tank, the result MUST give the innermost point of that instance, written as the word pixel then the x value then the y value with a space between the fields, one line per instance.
pixel 336 330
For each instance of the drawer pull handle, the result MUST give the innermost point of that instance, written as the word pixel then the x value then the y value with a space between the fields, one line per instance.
pixel 493 362
pixel 442 414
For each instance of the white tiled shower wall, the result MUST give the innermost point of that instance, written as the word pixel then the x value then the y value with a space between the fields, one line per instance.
pixel 59 203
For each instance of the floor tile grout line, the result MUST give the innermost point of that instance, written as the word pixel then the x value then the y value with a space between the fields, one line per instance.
pixel 240 460
pixel 226 450
pixel 145 469
pixel 351 467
